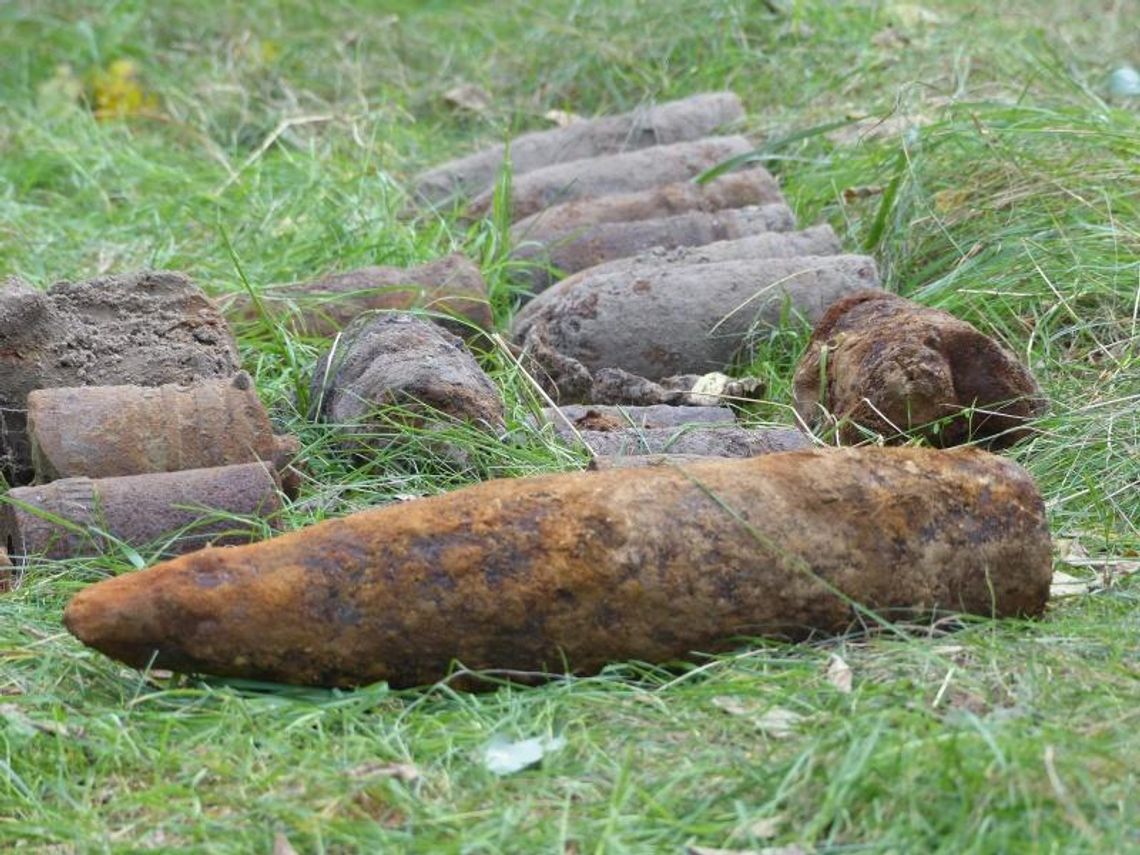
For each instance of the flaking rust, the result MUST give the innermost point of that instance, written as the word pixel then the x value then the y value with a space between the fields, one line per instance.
pixel 879 363
pixel 577 570
pixel 174 511
pixel 107 431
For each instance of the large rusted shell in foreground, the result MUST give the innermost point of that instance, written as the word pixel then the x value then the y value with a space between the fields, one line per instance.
pixel 879 363
pixel 576 570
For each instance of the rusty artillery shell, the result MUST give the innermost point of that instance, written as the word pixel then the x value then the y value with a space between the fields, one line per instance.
pixel 657 320
pixel 752 186
pixel 104 431
pixel 400 360
pixel 674 121
pixel 83 516
pixel 880 363
pixel 591 567
pixel 817 240
pixel 451 289
pixel 615 173
pixel 608 241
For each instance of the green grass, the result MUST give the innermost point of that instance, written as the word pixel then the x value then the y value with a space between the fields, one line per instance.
pixel 1014 203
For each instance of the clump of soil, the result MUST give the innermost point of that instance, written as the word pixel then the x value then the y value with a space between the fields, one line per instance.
pixel 142 329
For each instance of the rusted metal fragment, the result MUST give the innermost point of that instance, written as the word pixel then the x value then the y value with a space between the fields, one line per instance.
pixel 714 441
pixel 105 431
pixel 615 173
pixel 404 361
pixel 880 364
pixel 563 378
pixel 601 417
pixel 573 571
pixel 661 320
pixel 567 381
pixel 451 289
pixel 181 511
pixel 671 122
pixel 144 328
pixel 604 462
pixel 592 246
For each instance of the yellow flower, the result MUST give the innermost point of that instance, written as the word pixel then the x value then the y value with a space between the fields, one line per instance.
pixel 117 93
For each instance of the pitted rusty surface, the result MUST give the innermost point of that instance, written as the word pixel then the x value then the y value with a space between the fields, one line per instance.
pixel 693 318
pixel 403 360
pixel 108 431
pixel 589 568
pixel 882 363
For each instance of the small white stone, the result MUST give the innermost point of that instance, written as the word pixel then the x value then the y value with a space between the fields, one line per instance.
pixel 1124 82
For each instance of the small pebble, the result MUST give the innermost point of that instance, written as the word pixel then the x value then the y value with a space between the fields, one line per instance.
pixel 1124 82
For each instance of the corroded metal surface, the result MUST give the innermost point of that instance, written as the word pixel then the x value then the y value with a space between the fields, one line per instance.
pixel 106 431
pixel 656 320
pixel 578 570
pixel 182 511
pixel 614 173
pixel 878 363
pixel 397 359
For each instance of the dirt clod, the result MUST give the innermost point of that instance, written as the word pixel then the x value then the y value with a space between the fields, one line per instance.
pixel 144 328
